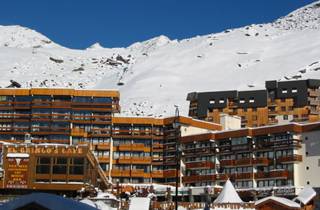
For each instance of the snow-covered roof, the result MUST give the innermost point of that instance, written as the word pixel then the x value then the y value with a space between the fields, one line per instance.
pixel 18 155
pixel 306 195
pixel 50 201
pixel 139 203
pixel 283 201
pixel 228 194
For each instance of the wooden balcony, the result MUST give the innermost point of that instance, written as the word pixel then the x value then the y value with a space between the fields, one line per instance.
pixel 200 164
pixel 226 163
pixel 120 173
pixel 124 160
pixel 261 161
pixel 104 159
pixel 78 132
pixel 313 93
pixel 125 147
pixel 288 159
pixel 250 161
pixel 272 174
pixel 138 147
pixel 221 176
pixel 169 173
pixel 157 146
pixel 157 137
pixel 103 146
pixel 157 174
pixel 244 175
pixel 244 162
pixel 141 160
pixel 137 173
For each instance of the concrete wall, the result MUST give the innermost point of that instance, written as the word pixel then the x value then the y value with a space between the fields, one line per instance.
pixel 190 130
pixel 282 121
pixel 308 171
pixel 230 122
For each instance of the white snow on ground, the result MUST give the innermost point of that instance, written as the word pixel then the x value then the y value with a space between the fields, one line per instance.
pixel 158 73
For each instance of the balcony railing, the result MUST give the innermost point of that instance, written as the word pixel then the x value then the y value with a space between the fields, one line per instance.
pixel 170 173
pixel 78 132
pixel 200 164
pixel 120 173
pixel 198 178
pixel 157 174
pixel 227 162
pixel 292 158
pixel 103 146
pixel 272 174
pixel 141 160
pixel 137 173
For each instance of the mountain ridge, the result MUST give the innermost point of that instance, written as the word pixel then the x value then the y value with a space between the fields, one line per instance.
pixel 155 74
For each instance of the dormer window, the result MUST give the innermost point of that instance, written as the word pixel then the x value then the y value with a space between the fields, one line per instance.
pixel 284 91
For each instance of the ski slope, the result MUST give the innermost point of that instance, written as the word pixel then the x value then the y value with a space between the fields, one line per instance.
pixel 157 74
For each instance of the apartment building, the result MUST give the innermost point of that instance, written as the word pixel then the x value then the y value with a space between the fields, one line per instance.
pixel 280 103
pixel 144 148
pixel 129 149
pixel 281 158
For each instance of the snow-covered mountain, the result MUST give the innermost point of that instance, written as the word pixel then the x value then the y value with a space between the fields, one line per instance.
pixel 155 74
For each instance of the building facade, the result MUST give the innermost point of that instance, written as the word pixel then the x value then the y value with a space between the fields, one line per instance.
pixel 129 149
pixel 283 158
pixel 147 149
pixel 279 103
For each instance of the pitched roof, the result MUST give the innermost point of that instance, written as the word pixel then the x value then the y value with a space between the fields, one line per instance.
pixel 279 200
pixel 306 195
pixel 228 194
pixel 49 201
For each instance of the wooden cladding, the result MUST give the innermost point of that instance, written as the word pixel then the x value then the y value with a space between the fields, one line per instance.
pixel 200 164
pixel 266 130
pixel 59 92
pixel 166 121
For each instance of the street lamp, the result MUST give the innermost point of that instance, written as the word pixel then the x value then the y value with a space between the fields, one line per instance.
pixel 176 126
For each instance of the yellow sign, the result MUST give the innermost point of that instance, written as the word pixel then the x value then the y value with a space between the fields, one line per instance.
pixel 47 150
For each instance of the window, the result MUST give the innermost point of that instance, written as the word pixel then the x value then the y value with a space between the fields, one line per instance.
pixel 76 166
pixel 307 168
pixel 212 101
pixel 242 101
pixel 285 117
pixel 283 108
pixel 60 165
pixel 221 101
pixel 43 165
pixel 294 90
pixel 251 100
pixel 284 90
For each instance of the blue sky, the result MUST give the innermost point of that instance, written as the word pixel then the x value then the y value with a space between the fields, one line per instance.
pixel 118 23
